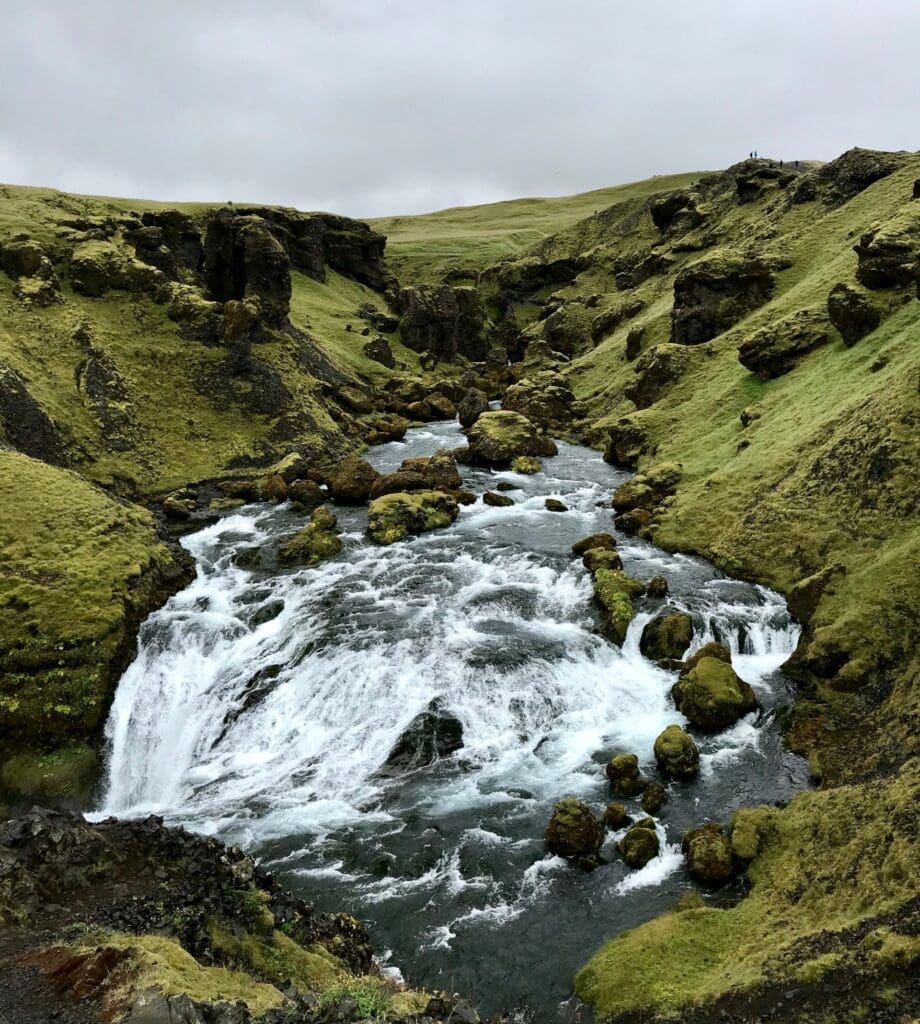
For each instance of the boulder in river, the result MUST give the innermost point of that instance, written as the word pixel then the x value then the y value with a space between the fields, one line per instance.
pixel 497 500
pixel 654 797
pixel 596 540
pixel 573 830
pixel 353 481
pixel 615 816
pixel 639 845
pixel 431 735
pixel 601 558
pixel 393 517
pixel 712 696
pixel 555 505
pixel 666 637
pixel 473 404
pixel 497 438
pixel 613 594
pixel 314 543
pixel 676 755
pixel 623 773
pixel 709 854
pixel 436 473
pixel 710 650
pixel 657 587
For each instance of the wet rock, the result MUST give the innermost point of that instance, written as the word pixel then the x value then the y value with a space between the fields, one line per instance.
pixel 595 540
pixel 635 493
pixel 595 559
pixel 555 505
pixel 634 522
pixel 497 438
pixel 623 773
pixel 656 372
pixel 395 517
pixel 711 650
pixel 654 797
pixel 852 312
pixel 712 696
pixel 314 543
pixel 716 292
pixel 615 816
pixel 497 500
pixel 676 755
pixel 444 322
pixel 639 846
pixel 777 349
pixel 431 735
pixel 473 404
pixel 306 494
pixel 667 636
pixel 804 597
pixel 657 587
pixel 709 854
pixel 353 481
pixel 439 470
pixel 545 399
pixel 613 594
pixel 573 830
pixel 178 506
pixel 379 350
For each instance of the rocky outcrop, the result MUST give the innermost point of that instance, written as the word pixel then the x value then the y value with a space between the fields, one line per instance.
pixel 430 736
pixel 667 636
pixel 627 441
pixel 709 854
pixel 852 312
pixel 394 517
pixel 353 481
pixel 437 473
pixel 888 256
pixel 545 399
pixel 24 261
pixel 838 181
pixel 630 271
pixel 607 322
pixel 98 266
pixel 497 438
pixel 520 279
pixel 574 831
pixel 638 500
pixel 777 349
pixel 473 404
pixel 712 696
pixel 676 755
pixel 715 293
pixel 675 213
pixel 656 373
pixel 379 350
pixel 444 322
pixel 568 330
pixel 24 424
pixel 804 597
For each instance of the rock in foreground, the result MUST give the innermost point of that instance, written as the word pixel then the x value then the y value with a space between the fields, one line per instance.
pixel 394 517
pixel 573 830
pixel 712 695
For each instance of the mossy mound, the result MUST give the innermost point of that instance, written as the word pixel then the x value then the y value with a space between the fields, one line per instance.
pixel 666 637
pixel 314 543
pixel 395 517
pixel 639 846
pixel 676 755
pixel 498 438
pixel 613 594
pixel 712 695
pixel 709 854
pixel 573 830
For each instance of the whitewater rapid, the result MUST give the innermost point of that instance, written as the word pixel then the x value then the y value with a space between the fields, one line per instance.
pixel 262 706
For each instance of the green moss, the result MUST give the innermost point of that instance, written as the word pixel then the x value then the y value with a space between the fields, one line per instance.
pixel 613 592
pixel 526 464
pixel 67 771
pixel 394 517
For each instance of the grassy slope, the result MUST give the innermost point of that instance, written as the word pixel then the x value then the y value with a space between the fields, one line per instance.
pixel 469 238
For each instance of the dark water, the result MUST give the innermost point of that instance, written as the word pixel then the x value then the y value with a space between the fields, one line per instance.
pixel 262 707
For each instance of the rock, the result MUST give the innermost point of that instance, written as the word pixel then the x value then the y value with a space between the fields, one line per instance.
pixel 23 257
pixel 439 470
pixel 353 481
pixel 555 505
pixel 888 256
pixel 526 464
pixel 384 322
pixel 545 399
pixel 711 650
pixel 394 517
pixel 601 558
pixel 96 267
pixel 852 313
pixel 712 696
pixel 624 776
pixel 430 736
pixel 657 587
pixel 665 209
pixel 596 540
pixel 615 816
pixel 421 411
pixel 634 342
pixel 178 506
pixel 613 593
pixel 633 522
pixel 497 438
pixel 709 854
pixel 379 350
pixel 473 404
pixel 656 372
pixel 626 442
pixel 667 636
pixel 804 597
pixel 607 322
pixel 635 493
pixel 314 543
pixel 444 322
pixel 573 830
pixel 497 500
pixel 639 846
pixel 442 407
pixel 631 270
pixel 838 181
pixel 749 415
pixel 306 494
pixel 654 797
pixel 676 755
pixel 568 329
pixel 777 349
pixel 273 488
pixel 716 292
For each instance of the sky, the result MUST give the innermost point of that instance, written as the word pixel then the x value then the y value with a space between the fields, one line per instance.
pixel 376 107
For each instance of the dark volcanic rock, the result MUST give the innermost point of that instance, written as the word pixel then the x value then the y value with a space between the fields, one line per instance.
pixel 709 854
pixel 626 443
pixel 180 235
pixel 775 350
pixel 497 438
pixel 545 399
pixel 431 735
pixel 712 696
pixel 353 481
pixel 657 370
pixel 473 404
pixel 573 830
pixel 379 350
pixel 852 312
pixel 666 637
pixel 24 424
pixel 851 173
pixel 444 322
pixel 715 293
pixel 889 256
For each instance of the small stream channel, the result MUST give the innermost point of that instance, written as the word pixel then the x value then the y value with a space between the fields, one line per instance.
pixel 262 706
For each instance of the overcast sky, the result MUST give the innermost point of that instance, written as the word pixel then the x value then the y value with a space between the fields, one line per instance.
pixel 370 107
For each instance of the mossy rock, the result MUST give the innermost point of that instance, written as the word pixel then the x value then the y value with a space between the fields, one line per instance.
pixel 353 481
pixel 498 438
pixel 394 517
pixel 616 816
pixel 666 637
pixel 613 593
pixel 623 773
pixel 497 500
pixel 595 540
pixel 66 772
pixel 555 505
pixel 657 587
pixel 639 846
pixel 750 827
pixel 526 464
pixel 709 854
pixel 654 797
pixel 601 558
pixel 712 696
pixel 573 830
pixel 315 543
pixel 710 650
pixel 634 494
pixel 676 755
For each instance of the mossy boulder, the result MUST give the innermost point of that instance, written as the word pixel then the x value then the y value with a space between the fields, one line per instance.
pixel 436 473
pixel 710 650
pixel 657 587
pixel 573 830
pixel 775 350
pixel 473 404
pixel 613 594
pixel 656 372
pixel 97 266
pixel 852 312
pixel 654 797
pixel 555 505
pixel 666 637
pixel 353 481
pixel 750 827
pixel 526 464
pixel 497 500
pixel 676 755
pixel 633 494
pixel 709 854
pixel 544 398
pixel 616 816
pixel 497 438
pixel 601 558
pixel 595 540
pixel 314 543
pixel 712 696
pixel 624 776
pixel 306 494
pixel 395 517
pixel 639 846
pixel 444 322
